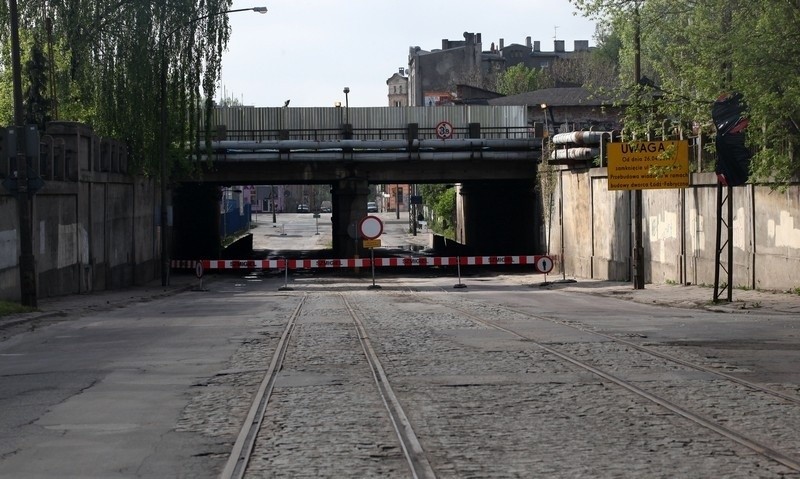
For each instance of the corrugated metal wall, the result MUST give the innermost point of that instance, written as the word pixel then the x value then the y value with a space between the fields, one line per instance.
pixel 252 119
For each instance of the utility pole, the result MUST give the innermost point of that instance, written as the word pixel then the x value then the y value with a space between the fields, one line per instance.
pixel 27 262
pixel 638 248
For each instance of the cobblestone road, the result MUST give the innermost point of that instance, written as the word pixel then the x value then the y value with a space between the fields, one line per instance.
pixel 482 402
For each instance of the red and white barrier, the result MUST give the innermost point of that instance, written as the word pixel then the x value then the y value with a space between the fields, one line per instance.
pixel 542 263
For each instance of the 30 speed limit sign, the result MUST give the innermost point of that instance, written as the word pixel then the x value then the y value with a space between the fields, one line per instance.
pixel 444 130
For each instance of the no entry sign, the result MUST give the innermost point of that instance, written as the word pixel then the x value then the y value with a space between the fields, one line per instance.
pixel 371 227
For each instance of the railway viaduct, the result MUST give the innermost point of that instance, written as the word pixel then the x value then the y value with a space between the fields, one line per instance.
pixel 490 152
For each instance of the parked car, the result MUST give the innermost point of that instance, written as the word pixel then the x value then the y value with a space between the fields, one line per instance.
pixel 372 207
pixel 325 207
pixel 301 208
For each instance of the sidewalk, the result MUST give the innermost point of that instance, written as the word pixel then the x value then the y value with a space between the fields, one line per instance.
pixel 690 297
pixel 103 300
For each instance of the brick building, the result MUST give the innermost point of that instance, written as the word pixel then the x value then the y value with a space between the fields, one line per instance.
pixel 433 76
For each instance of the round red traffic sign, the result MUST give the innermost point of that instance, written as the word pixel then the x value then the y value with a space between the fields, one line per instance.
pixel 370 227
pixel 198 270
pixel 444 130
pixel 544 264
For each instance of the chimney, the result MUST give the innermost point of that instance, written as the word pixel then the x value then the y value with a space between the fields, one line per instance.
pixel 502 43
pixel 445 44
pixel 478 39
pixel 558 46
pixel 528 42
pixel 581 45
pixel 537 47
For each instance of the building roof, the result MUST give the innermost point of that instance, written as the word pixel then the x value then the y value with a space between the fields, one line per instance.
pixel 397 77
pixel 576 96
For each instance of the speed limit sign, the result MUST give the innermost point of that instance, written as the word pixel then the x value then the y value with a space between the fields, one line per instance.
pixel 444 130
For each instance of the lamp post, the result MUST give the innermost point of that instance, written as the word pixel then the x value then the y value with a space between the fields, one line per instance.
pixel 165 134
pixel 546 128
pixel 346 104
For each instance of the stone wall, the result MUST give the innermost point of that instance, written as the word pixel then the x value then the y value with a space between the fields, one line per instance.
pixel 94 226
pixel 591 232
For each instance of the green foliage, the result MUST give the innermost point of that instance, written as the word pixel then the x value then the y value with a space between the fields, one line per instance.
pixel 519 79
pixel 695 51
pixel 7 308
pixel 100 63
pixel 440 201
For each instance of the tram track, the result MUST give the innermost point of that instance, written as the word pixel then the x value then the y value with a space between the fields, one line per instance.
pixel 745 439
pixel 246 443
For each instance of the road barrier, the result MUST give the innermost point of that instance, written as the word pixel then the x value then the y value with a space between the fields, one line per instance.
pixel 542 263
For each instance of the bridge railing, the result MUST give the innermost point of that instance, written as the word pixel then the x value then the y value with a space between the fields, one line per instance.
pixel 347 132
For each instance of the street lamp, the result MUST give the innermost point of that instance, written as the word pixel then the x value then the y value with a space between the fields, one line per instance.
pixel 346 104
pixel 165 134
pixel 546 127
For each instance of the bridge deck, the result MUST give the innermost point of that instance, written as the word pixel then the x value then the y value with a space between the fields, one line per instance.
pixel 320 156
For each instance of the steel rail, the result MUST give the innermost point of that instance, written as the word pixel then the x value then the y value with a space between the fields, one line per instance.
pixel 412 449
pixel 741 439
pixel 243 447
pixel 756 387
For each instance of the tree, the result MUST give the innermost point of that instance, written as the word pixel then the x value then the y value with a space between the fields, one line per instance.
pixel 694 51
pixel 519 79
pixel 38 105
pixel 104 63
pixel 440 201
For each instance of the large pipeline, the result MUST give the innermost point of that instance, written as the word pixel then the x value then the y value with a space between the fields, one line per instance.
pixel 575 154
pixel 579 138
pixel 443 145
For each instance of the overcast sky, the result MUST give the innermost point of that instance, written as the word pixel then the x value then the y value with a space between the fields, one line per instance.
pixel 307 51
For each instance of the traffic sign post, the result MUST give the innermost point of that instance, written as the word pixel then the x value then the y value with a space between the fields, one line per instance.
pixel 371 228
pixel 644 165
pixel 198 271
pixel 648 165
pixel 544 264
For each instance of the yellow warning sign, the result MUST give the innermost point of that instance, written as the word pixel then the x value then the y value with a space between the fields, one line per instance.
pixel 375 243
pixel 644 165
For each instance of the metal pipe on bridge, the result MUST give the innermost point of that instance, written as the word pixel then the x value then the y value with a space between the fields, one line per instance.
pixel 416 144
pixel 373 156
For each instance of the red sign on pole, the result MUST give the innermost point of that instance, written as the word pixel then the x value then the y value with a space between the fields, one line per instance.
pixel 371 227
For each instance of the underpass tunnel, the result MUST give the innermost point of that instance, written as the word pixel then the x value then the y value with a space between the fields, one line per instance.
pixel 496 217
pixel 499 217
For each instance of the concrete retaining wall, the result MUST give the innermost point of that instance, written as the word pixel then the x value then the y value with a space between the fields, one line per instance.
pixel 94 228
pixel 591 232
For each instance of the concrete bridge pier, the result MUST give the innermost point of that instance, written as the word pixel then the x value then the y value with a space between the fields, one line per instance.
pixel 499 217
pixel 349 208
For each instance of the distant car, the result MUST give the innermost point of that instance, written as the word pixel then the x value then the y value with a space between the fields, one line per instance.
pixel 301 208
pixel 372 207
pixel 325 207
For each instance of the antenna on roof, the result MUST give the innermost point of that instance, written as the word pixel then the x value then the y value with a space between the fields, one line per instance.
pixel 555 32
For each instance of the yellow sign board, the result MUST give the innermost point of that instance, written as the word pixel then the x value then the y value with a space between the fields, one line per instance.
pixel 645 165
pixel 375 243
